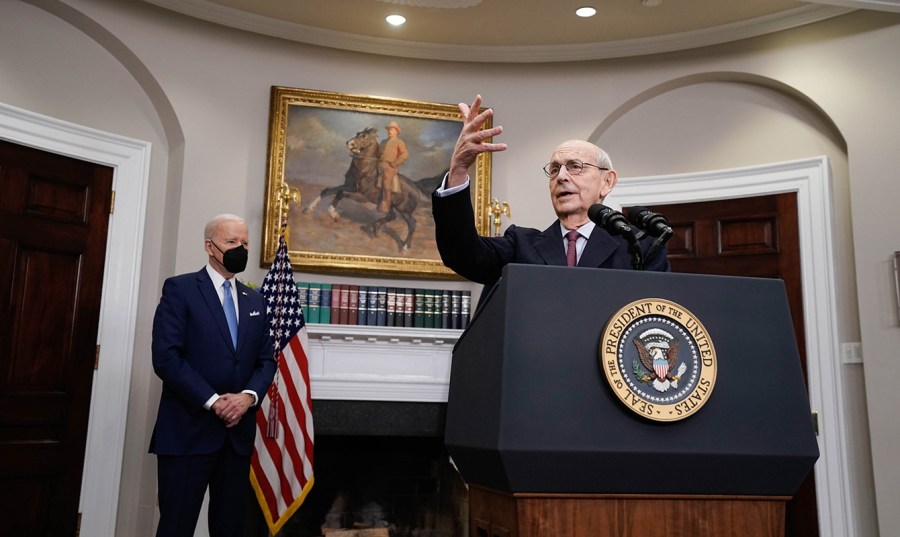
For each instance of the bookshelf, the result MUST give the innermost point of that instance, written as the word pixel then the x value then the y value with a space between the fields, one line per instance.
pixel 384 305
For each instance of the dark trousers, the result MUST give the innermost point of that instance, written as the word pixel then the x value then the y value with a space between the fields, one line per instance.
pixel 182 484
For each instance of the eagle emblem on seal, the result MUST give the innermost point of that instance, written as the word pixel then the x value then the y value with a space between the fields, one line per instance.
pixel 658 353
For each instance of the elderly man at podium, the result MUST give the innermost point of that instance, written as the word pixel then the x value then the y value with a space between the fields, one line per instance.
pixel 580 175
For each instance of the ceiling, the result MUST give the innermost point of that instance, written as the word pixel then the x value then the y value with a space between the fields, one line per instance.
pixel 517 30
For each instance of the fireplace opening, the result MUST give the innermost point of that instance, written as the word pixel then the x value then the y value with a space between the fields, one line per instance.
pixel 382 470
pixel 404 485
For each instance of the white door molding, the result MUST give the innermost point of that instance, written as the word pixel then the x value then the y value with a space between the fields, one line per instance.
pixel 811 180
pixel 130 160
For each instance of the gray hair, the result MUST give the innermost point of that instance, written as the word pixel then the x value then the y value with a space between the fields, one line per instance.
pixel 213 224
pixel 604 161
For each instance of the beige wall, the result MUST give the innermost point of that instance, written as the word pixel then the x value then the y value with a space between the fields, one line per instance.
pixel 199 93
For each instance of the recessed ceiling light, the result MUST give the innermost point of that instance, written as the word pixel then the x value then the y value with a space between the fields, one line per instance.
pixel 586 12
pixel 395 20
pixel 651 3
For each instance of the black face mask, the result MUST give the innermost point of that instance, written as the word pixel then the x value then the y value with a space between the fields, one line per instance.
pixel 234 260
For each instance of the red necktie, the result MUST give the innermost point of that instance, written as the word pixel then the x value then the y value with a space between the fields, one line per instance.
pixel 571 251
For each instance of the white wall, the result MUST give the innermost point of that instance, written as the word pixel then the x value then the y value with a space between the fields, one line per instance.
pixel 200 94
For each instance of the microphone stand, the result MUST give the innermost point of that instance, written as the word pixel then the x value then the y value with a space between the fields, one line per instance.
pixel 615 223
pixel 660 242
pixel 634 248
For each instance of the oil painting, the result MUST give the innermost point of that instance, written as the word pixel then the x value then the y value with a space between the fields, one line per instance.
pixel 351 177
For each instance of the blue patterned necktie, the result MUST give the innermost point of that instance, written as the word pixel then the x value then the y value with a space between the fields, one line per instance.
pixel 230 314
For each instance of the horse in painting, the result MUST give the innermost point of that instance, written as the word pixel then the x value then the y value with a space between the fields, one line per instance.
pixel 360 183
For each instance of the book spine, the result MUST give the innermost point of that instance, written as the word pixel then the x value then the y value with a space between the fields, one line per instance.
pixel 372 310
pixel 436 318
pixel 438 305
pixel 363 300
pixel 429 308
pixel 303 297
pixel 455 297
pixel 315 297
pixel 445 309
pixel 419 308
pixel 325 303
pixel 353 303
pixel 345 304
pixel 391 307
pixel 339 313
pixel 464 306
pixel 335 303
pixel 408 307
pixel 381 307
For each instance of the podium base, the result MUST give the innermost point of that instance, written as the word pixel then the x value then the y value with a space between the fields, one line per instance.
pixel 502 514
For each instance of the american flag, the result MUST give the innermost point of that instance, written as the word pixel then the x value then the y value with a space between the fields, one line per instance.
pixel 281 469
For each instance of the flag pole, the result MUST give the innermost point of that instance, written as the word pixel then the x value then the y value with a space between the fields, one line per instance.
pixel 284 196
pixel 282 461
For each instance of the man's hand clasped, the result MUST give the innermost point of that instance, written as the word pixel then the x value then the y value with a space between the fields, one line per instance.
pixel 232 406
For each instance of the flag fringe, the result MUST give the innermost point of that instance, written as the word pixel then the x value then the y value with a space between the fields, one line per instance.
pixel 276 525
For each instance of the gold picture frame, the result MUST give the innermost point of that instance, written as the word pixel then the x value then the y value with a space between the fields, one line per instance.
pixel 321 150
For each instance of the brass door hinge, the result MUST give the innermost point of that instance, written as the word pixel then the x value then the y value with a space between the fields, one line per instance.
pixel 112 202
pixel 815 421
pixel 78 525
pixel 97 359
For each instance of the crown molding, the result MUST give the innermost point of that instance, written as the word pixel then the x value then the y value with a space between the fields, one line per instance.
pixel 234 18
pixel 892 6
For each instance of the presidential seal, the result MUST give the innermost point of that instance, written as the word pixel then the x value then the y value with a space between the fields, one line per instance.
pixel 658 359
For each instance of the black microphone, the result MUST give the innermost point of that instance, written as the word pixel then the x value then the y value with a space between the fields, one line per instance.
pixel 654 224
pixel 615 223
pixel 612 221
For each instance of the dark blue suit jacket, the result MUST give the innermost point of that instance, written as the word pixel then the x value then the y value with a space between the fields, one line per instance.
pixel 195 358
pixel 481 259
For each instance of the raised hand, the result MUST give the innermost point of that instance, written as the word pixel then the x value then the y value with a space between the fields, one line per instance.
pixel 471 141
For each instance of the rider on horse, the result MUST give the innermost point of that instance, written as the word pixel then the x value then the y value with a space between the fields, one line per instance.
pixel 393 154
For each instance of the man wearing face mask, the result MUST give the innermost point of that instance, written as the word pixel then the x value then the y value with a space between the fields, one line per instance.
pixel 212 349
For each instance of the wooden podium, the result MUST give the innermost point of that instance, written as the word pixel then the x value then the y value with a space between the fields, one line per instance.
pixel 548 449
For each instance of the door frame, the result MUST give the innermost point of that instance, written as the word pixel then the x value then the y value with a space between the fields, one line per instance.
pixel 130 160
pixel 811 180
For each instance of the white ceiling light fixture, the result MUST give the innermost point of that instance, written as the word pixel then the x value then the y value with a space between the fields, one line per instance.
pixel 651 3
pixel 395 20
pixel 585 12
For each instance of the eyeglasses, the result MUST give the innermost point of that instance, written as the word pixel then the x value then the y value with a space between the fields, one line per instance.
pixel 573 167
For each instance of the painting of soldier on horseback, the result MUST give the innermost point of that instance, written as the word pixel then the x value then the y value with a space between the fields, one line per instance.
pixel 369 178
pixel 365 179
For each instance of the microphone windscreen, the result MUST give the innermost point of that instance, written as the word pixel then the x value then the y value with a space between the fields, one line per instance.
pixel 634 214
pixel 596 212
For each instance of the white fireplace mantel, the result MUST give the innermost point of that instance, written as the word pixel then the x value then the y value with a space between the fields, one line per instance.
pixel 376 363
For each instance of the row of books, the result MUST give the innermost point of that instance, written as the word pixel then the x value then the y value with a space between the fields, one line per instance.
pixel 384 306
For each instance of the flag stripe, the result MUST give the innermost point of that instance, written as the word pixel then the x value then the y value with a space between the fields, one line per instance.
pixel 286 452
pixel 300 402
pixel 281 454
pixel 282 466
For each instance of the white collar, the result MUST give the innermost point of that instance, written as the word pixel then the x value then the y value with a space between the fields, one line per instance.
pixel 217 279
pixel 585 230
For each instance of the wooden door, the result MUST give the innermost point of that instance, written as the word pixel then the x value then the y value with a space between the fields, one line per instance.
pixel 756 236
pixel 54 212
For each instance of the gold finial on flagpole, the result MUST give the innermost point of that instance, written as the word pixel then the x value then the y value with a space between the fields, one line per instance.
pixel 499 209
pixel 283 197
